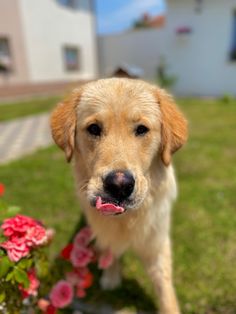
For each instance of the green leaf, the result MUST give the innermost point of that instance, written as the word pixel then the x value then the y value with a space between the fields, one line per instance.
pixel 9 276
pixel 42 267
pixel 21 277
pixel 5 265
pixel 2 297
pixel 25 263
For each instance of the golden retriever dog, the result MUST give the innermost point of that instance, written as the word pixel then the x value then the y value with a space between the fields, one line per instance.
pixel 121 134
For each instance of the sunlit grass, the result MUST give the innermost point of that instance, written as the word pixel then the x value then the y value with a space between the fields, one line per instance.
pixel 25 108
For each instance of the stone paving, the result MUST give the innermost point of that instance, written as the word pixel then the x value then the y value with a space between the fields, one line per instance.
pixel 23 136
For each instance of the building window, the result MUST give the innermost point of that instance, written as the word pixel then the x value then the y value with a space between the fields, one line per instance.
pixel 86 5
pixel 71 58
pixel 5 55
pixel 73 4
pixel 233 45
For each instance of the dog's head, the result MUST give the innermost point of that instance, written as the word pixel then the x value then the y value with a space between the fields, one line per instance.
pixel 117 128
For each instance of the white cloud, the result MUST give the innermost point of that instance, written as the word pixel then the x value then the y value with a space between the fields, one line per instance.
pixel 123 17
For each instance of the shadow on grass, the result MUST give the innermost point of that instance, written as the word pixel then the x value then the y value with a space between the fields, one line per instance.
pixel 129 295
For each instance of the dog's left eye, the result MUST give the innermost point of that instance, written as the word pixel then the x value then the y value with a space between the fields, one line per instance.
pixel 141 130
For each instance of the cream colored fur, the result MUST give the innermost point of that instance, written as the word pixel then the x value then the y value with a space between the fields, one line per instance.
pixel 119 105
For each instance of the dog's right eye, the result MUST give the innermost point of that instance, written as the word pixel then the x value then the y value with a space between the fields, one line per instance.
pixel 94 129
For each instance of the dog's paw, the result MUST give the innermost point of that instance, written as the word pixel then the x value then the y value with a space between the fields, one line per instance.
pixel 110 281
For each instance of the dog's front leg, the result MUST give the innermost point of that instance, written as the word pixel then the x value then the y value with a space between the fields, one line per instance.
pixel 111 277
pixel 159 267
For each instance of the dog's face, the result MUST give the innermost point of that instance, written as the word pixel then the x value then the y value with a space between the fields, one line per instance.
pixel 118 128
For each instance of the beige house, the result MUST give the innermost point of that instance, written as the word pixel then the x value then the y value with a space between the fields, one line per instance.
pixel 47 41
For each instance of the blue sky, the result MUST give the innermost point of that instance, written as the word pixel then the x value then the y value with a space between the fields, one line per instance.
pixel 118 15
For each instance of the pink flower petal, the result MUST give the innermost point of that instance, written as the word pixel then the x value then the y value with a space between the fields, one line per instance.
pixel 83 237
pixel 81 256
pixel 16 249
pixel 61 294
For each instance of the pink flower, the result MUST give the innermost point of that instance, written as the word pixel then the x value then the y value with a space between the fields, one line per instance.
pixel 24 233
pixel 17 225
pixel 105 260
pixel 61 294
pixel 83 237
pixel 72 277
pixel 36 235
pixel 33 286
pixel 81 256
pixel 80 277
pixel 16 248
pixel 2 189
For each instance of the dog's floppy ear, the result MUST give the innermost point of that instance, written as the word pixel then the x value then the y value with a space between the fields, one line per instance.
pixel 174 130
pixel 63 124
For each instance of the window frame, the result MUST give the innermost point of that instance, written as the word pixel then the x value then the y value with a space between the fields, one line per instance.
pixel 71 68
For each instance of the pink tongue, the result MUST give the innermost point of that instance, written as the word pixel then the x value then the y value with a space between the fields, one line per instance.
pixel 108 208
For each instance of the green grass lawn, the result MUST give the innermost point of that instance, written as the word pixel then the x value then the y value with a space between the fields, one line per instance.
pixel 204 219
pixel 25 108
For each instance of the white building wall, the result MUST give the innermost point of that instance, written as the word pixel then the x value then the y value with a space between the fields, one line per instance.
pixel 200 60
pixel 139 48
pixel 48 27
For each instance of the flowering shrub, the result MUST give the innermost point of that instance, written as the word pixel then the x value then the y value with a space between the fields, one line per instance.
pixel 24 265
pixel 21 241
pixel 78 278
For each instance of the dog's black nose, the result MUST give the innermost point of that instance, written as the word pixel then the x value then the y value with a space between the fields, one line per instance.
pixel 119 184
